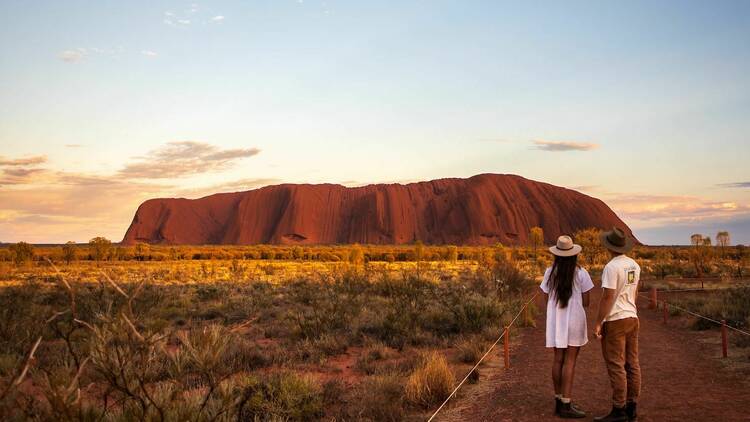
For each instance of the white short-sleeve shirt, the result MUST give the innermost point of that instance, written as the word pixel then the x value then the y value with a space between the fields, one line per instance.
pixel 622 274
pixel 567 326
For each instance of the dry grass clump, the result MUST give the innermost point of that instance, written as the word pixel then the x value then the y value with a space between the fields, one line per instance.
pixel 471 349
pixel 431 382
pixel 381 398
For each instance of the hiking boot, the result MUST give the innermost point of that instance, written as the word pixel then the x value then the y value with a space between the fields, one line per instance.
pixel 568 411
pixel 630 411
pixel 558 403
pixel 616 415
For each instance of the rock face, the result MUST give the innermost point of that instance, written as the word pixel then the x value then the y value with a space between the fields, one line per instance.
pixel 481 210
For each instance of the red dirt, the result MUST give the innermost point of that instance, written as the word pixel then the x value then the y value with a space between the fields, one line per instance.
pixel 684 379
pixel 481 210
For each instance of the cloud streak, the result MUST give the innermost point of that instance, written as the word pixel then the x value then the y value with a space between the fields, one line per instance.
pixel 561 146
pixel 73 56
pixel 28 161
pixel 184 158
pixel 735 185
pixel 655 210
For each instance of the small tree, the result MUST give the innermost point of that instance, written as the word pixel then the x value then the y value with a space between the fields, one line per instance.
pixel 141 250
pixel 536 239
pixel 740 257
pixel 452 253
pixel 701 256
pixel 418 251
pixel 696 239
pixel 69 252
pixel 662 262
pixel 589 241
pixel 100 248
pixel 22 252
pixel 356 254
pixel 722 241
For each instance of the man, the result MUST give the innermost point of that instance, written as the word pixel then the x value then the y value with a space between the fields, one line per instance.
pixel 617 326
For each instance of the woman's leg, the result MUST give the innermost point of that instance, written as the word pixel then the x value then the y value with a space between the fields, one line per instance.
pixel 568 370
pixel 557 370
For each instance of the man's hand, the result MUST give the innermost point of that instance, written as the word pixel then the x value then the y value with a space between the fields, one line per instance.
pixel 598 330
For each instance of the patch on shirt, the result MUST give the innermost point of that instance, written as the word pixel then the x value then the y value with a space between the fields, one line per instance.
pixel 631 276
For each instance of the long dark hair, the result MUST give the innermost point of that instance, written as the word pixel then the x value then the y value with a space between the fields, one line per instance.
pixel 561 278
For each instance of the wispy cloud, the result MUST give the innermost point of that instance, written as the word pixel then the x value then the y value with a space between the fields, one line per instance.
pixel 73 145
pixel 735 185
pixel 559 146
pixel 193 14
pixel 184 158
pixel 28 161
pixel 17 176
pixel 655 210
pixel 149 53
pixel 73 56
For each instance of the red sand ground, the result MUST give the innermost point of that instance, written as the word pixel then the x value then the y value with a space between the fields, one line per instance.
pixel 683 379
pixel 481 210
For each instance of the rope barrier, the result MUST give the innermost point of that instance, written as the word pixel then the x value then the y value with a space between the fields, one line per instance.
pixel 687 311
pixel 453 393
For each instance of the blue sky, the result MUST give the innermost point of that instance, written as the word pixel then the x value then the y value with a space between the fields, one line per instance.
pixel 104 104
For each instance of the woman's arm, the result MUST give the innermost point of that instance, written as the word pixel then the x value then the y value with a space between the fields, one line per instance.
pixel 586 299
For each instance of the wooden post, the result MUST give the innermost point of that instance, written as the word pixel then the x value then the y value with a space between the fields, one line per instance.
pixel 723 338
pixel 507 347
pixel 665 310
pixel 652 305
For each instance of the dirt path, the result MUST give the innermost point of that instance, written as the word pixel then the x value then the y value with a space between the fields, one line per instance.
pixel 683 379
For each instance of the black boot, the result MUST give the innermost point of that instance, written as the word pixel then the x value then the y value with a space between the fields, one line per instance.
pixel 630 410
pixel 616 415
pixel 558 403
pixel 568 411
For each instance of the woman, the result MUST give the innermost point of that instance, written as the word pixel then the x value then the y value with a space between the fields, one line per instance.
pixel 566 287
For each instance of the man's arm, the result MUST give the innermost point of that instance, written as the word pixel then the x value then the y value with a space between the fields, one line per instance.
pixel 605 305
pixel 586 299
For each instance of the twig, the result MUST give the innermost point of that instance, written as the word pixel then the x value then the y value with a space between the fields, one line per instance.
pixel 119 290
pixel 57 314
pixel 132 327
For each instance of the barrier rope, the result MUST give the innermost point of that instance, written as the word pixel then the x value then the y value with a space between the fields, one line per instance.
pixel 687 311
pixel 453 393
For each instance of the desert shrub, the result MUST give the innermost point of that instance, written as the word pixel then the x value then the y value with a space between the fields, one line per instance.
pixel 380 398
pixel 21 252
pixel 372 355
pixel 471 349
pixel 245 355
pixel 281 396
pixel 431 382
pixel 732 305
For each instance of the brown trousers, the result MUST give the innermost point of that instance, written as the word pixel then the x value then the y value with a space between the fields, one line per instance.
pixel 620 350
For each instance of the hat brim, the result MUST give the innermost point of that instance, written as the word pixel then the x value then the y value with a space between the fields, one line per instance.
pixel 575 250
pixel 620 249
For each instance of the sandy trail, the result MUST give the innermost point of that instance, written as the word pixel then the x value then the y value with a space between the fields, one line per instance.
pixel 683 378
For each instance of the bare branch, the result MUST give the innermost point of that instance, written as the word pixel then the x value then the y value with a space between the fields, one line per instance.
pixel 57 314
pixel 28 362
pixel 119 290
pixel 132 327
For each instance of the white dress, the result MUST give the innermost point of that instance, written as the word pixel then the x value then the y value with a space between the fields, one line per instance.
pixel 567 326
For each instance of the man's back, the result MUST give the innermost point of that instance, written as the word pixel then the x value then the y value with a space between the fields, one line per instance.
pixel 622 274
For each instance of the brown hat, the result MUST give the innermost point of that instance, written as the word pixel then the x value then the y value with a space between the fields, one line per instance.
pixel 616 240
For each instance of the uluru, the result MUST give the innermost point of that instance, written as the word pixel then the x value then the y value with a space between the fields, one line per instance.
pixel 479 210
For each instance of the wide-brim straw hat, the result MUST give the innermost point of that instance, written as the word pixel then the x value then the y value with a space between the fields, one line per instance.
pixel 616 240
pixel 565 247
